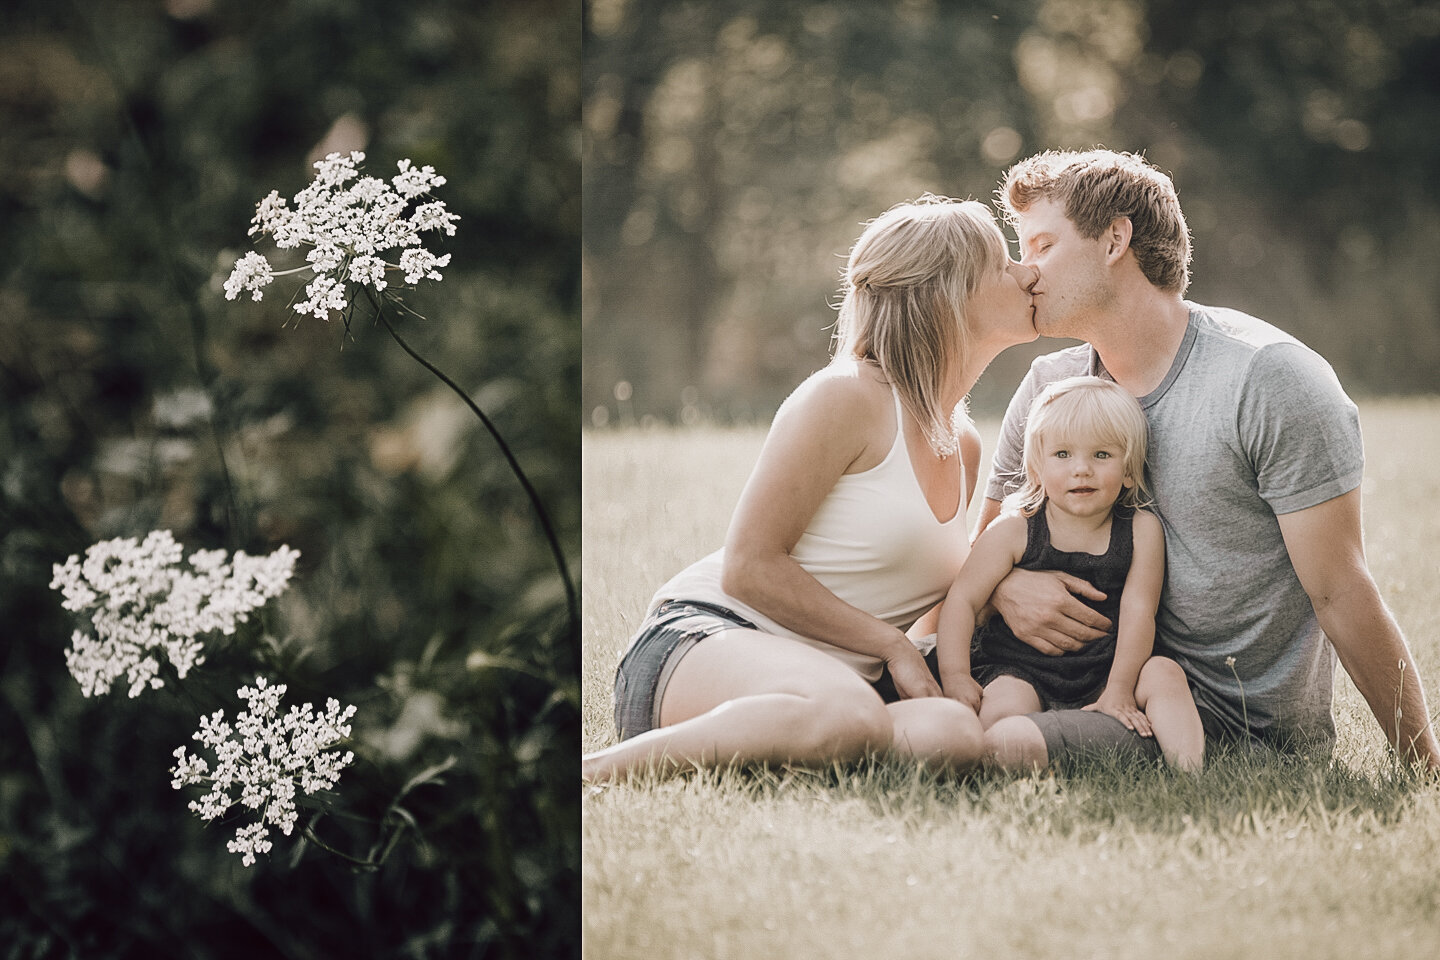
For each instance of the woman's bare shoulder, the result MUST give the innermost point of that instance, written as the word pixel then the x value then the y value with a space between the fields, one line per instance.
pixel 847 392
pixel 969 439
pixel 842 412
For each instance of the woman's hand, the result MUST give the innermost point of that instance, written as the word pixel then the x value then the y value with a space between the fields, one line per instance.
pixel 965 689
pixel 1122 707
pixel 1042 608
pixel 910 673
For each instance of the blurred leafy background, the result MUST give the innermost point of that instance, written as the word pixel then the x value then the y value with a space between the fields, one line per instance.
pixel 732 150
pixel 135 138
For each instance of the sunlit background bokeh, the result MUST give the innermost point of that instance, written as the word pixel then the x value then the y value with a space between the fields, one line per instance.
pixel 733 149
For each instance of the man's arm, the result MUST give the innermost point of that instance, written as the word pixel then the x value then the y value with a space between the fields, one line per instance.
pixel 1327 550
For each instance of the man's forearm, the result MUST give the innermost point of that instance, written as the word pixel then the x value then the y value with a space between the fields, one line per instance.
pixel 1374 653
pixel 1325 545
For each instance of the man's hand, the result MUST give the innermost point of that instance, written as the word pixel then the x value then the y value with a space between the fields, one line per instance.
pixel 1041 608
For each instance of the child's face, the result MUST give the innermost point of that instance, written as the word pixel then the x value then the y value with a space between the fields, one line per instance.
pixel 1082 475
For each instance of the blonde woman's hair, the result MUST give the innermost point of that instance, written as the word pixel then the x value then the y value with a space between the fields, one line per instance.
pixel 904 292
pixel 1096 187
pixel 1090 406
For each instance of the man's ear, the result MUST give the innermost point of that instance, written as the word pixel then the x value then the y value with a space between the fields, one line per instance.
pixel 1117 239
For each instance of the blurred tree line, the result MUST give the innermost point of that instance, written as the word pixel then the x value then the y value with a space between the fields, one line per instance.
pixel 137 137
pixel 732 151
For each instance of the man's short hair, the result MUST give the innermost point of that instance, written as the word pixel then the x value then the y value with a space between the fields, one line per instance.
pixel 1097 186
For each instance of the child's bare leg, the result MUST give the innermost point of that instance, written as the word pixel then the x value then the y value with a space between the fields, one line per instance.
pixel 1016 744
pixel 1164 694
pixel 1007 696
pixel 939 732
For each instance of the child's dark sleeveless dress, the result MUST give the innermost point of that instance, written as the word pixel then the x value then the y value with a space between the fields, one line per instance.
pixel 1072 679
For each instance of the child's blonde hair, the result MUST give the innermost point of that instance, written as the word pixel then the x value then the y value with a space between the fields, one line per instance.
pixel 1085 405
pixel 906 289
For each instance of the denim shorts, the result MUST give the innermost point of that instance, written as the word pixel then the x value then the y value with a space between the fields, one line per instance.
pixel 666 635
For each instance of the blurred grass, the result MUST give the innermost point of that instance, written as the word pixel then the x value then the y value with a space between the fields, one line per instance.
pixel 1299 859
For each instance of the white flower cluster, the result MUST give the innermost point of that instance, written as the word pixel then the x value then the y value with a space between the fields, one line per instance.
pixel 143 603
pixel 266 757
pixel 348 226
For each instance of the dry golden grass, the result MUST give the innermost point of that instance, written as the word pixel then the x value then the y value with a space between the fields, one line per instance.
pixel 1302 860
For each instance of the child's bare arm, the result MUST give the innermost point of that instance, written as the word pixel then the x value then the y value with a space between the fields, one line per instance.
pixel 994 554
pixel 1135 633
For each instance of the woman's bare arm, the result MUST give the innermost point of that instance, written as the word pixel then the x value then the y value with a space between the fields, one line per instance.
pixel 833 424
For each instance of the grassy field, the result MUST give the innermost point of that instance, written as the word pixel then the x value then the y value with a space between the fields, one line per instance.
pixel 1292 860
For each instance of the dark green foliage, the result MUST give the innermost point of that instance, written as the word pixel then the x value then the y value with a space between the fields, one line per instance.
pixel 138 137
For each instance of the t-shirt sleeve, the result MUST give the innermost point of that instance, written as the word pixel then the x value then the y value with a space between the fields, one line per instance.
pixel 1007 468
pixel 1300 430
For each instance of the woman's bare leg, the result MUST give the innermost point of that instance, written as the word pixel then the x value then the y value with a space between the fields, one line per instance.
pixel 744 696
pixel 1007 696
pixel 1164 694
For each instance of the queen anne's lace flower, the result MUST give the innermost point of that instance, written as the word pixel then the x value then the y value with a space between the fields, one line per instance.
pixel 142 604
pixel 252 272
pixel 420 264
pixel 350 221
pixel 369 270
pixel 263 760
pixel 411 182
pixel 323 294
pixel 434 216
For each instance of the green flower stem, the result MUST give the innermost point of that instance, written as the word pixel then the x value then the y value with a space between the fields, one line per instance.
pixel 184 284
pixel 370 864
pixel 571 603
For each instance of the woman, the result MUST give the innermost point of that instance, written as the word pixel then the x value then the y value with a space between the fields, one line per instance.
pixel 789 645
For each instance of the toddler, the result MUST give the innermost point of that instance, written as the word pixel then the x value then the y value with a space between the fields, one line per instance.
pixel 1081 511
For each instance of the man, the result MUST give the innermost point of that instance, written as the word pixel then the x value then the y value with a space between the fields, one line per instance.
pixel 1255 461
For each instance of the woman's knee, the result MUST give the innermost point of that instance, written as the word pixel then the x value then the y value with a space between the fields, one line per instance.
pixel 830 718
pixel 848 722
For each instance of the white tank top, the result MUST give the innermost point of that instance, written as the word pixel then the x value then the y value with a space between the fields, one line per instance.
pixel 874 543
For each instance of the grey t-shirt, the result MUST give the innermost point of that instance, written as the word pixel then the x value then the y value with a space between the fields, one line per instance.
pixel 1248 424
